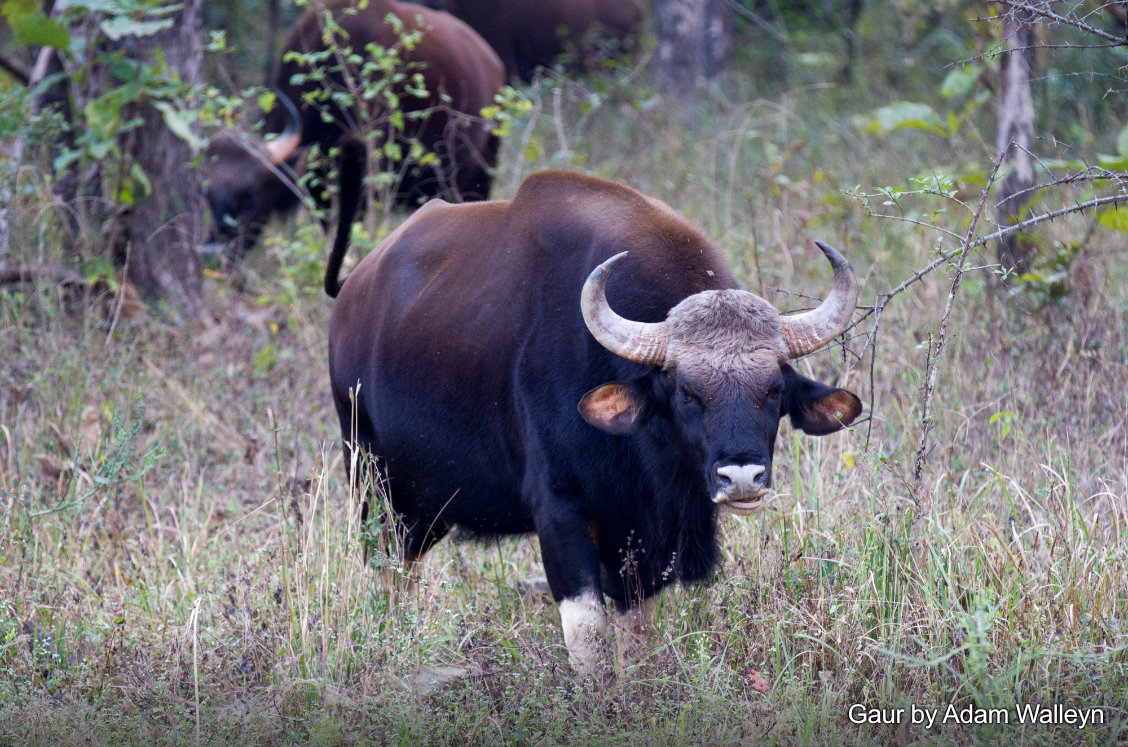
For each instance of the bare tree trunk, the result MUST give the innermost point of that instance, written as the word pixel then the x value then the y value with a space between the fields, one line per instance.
pixel 164 229
pixel 56 98
pixel 1016 132
pixel 5 223
pixel 273 27
pixel 853 12
pixel 694 43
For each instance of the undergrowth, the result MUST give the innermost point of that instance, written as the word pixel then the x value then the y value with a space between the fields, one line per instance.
pixel 180 555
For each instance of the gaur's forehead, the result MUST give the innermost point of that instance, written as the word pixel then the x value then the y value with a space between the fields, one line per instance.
pixel 724 329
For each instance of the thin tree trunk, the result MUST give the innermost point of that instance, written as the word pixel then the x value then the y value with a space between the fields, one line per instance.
pixel 273 26
pixel 1016 133
pixel 694 43
pixel 56 98
pixel 853 12
pixel 164 228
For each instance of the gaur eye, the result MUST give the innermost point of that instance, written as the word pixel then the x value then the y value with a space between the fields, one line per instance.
pixel 687 397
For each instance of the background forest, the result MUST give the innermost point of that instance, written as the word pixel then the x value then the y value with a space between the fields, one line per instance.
pixel 179 553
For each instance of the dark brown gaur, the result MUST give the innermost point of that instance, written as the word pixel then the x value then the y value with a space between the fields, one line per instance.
pixel 474 357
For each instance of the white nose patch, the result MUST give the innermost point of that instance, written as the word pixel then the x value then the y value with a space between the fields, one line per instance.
pixel 741 474
pixel 741 495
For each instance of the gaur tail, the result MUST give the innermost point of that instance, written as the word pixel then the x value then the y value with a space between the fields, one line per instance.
pixel 351 166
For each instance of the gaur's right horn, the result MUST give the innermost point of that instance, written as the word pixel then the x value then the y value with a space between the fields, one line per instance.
pixel 641 342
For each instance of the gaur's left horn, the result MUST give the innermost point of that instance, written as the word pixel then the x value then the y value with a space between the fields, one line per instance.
pixel 807 332
pixel 641 342
pixel 283 146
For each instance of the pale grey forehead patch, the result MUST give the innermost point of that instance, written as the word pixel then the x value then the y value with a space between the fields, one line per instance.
pixel 724 328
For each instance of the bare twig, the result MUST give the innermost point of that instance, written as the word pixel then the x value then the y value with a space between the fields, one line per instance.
pixel 962 251
pixel 16 274
pixel 193 622
pixel 946 257
pixel 1078 207
pixel 757 20
pixel 1042 10
pixel 15 67
pixel 942 337
pixel 559 125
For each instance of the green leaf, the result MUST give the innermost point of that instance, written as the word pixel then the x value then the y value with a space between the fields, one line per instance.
pixel 126 193
pixel 13 9
pixel 38 30
pixel 97 268
pixel 1114 219
pixel 901 115
pixel 143 186
pixel 177 124
pixel 960 81
pixel 265 360
pixel 1113 163
pixel 267 100
pixel 119 27
pixel 1122 142
pixel 65 159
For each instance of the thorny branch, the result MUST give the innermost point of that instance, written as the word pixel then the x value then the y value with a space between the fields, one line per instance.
pixel 946 257
pixel 1042 10
pixel 968 242
pixel 942 337
pixel 16 68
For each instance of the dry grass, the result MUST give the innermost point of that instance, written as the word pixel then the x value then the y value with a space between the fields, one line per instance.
pixel 179 556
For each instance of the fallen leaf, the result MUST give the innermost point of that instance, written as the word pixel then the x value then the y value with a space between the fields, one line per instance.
pixel 90 430
pixel 757 681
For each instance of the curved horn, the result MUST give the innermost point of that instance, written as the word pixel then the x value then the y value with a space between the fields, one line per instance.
pixel 283 146
pixel 807 332
pixel 640 342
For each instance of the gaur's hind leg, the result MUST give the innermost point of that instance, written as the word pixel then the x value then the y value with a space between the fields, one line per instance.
pixel 415 537
pixel 367 484
pixel 390 542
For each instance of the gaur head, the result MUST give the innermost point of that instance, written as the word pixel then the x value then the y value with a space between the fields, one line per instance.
pixel 722 376
pixel 244 185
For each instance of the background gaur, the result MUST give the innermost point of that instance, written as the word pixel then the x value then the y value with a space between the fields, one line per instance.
pixel 528 34
pixel 461 73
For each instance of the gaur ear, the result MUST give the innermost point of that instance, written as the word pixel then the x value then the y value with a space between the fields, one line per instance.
pixel 616 407
pixel 818 409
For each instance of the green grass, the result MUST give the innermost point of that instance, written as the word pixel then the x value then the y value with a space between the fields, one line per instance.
pixel 179 554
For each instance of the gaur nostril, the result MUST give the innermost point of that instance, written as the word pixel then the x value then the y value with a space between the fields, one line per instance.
pixel 739 474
